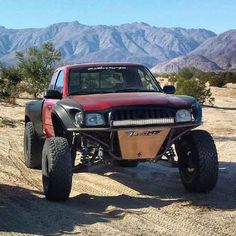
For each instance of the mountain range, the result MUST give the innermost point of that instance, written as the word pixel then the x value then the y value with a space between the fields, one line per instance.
pixel 164 49
pixel 215 54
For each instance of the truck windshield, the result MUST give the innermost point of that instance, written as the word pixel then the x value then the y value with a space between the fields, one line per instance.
pixel 111 80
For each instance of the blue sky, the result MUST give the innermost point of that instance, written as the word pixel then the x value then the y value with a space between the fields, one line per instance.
pixel 215 15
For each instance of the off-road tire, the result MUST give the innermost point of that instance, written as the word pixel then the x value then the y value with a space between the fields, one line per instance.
pixel 57 169
pixel 126 163
pixel 197 152
pixel 32 147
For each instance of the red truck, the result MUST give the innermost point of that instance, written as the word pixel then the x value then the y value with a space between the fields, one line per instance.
pixel 114 112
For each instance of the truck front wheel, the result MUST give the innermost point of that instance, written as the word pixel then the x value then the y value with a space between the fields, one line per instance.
pixel 198 161
pixel 57 169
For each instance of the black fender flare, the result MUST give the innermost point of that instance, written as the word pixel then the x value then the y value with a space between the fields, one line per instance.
pixel 62 117
pixel 33 113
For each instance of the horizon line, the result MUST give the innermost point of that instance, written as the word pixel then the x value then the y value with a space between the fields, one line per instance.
pixel 113 25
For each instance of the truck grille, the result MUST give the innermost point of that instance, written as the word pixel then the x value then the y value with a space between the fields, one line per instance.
pixel 142 116
pixel 142 113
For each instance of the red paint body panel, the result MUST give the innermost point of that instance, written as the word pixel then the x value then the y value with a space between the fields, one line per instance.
pixel 98 102
pixel 46 117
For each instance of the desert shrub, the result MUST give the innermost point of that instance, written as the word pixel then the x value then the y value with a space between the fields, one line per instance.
pixel 198 74
pixel 10 78
pixel 190 73
pixel 195 88
pixel 230 77
pixel 185 73
pixel 36 66
pixel 217 81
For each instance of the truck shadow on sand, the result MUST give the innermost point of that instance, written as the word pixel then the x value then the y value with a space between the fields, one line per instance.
pixel 26 211
pixel 163 184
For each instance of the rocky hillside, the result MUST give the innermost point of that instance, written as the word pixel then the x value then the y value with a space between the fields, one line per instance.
pixel 216 53
pixel 137 42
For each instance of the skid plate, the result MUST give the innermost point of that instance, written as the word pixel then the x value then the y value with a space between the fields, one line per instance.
pixel 142 143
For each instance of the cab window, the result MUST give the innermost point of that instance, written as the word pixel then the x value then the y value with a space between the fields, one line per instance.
pixel 59 83
pixel 146 80
pixel 53 80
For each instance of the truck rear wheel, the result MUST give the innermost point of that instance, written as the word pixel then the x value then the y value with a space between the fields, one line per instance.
pixel 57 169
pixel 198 161
pixel 32 147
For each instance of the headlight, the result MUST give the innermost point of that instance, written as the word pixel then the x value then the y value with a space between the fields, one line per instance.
pixel 79 118
pixel 94 119
pixel 183 116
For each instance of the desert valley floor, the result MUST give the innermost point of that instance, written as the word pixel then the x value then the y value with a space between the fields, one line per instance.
pixel 147 200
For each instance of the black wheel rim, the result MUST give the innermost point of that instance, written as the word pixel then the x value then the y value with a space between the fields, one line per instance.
pixel 188 163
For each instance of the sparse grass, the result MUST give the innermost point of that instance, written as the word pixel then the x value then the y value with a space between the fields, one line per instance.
pixel 4 121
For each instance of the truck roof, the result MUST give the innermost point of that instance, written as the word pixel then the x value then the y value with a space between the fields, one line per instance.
pixel 103 64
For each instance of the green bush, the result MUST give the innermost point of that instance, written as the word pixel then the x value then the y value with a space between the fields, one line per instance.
pixel 217 81
pixel 10 79
pixel 37 66
pixel 185 73
pixel 189 73
pixel 195 88
pixel 230 77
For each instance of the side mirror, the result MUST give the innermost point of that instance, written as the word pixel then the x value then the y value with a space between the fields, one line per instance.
pixel 52 94
pixel 169 89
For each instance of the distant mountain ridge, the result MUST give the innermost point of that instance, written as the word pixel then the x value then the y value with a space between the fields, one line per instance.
pixel 216 53
pixel 135 42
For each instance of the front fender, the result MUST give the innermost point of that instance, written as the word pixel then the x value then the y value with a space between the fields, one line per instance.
pixel 64 116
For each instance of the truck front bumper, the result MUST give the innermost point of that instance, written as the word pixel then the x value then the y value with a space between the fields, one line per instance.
pixel 137 143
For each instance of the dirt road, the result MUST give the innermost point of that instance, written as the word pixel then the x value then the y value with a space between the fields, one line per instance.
pixel 147 200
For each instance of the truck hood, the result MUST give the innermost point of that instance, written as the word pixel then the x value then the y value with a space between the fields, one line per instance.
pixel 96 102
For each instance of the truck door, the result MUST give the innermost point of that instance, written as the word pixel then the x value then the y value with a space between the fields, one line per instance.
pixel 56 84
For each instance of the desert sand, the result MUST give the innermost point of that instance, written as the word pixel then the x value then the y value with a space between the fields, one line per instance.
pixel 147 200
